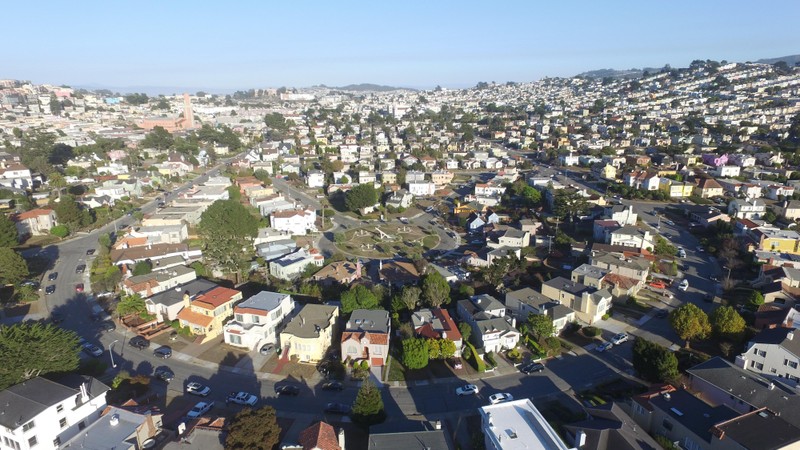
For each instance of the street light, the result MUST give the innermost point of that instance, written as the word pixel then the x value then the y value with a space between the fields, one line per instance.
pixel 111 353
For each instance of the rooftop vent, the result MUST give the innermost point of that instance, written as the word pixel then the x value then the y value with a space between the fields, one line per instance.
pixel 114 420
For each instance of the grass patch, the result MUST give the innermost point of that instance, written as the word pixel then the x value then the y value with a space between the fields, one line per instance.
pixel 397 372
pixel 430 241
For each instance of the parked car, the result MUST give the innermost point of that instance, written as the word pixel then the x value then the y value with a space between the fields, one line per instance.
pixel 92 349
pixel 500 397
pixel 81 268
pixel 242 398
pixel 107 326
pixel 164 374
pixel 199 409
pixel 684 285
pixel 139 342
pixel 467 389
pixel 90 252
pixel 52 276
pixel 337 408
pixel 50 289
pixel 657 285
pixel 79 287
pixel 196 388
pixel 681 253
pixel 670 223
pixel 332 386
pixel 287 389
pixel 708 298
pixel 529 368
pixel 620 338
pixel 662 313
pixel 163 352
pixel 33 284
pixel 604 346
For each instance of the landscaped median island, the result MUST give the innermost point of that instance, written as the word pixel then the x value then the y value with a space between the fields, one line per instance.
pixel 383 240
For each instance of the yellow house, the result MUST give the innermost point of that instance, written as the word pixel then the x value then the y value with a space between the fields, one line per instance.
pixel 206 313
pixel 782 241
pixel 608 172
pixel 310 332
pixel 676 189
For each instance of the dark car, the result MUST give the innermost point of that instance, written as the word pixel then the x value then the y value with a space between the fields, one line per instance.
pixel 287 389
pixel 107 326
pixel 52 276
pixel 662 313
pixel 164 374
pixel 163 352
pixel 332 386
pixel 139 342
pixel 337 408
pixel 708 298
pixel 532 367
pixel 81 268
pixel 50 289
pixel 90 252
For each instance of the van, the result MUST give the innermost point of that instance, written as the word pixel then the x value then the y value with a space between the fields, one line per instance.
pixel 684 285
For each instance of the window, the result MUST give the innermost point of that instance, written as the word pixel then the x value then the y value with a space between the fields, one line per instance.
pixel 28 426
pixel 762 353
pixel 32 442
pixel 793 364
pixel 235 339
pixel 759 366
pixel 667 425
pixel 378 350
pixel 255 318
pixel 240 317
pixel 352 350
pixel 56 442
pixel 59 408
pixel 62 422
pixel 81 425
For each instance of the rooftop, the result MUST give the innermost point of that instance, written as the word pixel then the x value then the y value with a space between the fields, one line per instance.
pixel 375 320
pixel 519 425
pixel 310 320
pixel 264 301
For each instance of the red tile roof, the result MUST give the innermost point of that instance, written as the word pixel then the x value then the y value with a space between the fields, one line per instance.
pixel 33 213
pixel 319 436
pixel 215 297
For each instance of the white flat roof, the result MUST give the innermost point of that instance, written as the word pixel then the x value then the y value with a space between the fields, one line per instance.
pixel 519 425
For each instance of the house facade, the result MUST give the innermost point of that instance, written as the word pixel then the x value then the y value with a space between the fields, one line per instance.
pixel 296 222
pixel 209 310
pixel 308 335
pixel 257 320
pixel 366 337
pixel 35 222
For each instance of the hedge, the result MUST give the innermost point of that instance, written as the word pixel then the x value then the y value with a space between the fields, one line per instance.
pixel 477 361
pixel 490 359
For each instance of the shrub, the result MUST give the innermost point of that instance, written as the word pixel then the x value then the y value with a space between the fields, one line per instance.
pixel 514 355
pixel 591 331
pixel 60 231
pixel 553 345
pixel 489 357
pixel 606 316
pixel 476 360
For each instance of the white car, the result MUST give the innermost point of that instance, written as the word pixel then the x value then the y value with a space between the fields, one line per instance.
pixel 468 389
pixel 604 346
pixel 199 409
pixel 500 397
pixel 242 398
pixel 198 389
pixel 92 349
pixel 619 339
pixel 684 285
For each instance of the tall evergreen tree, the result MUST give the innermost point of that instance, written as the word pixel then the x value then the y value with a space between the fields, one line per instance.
pixel 368 406
pixel 255 429
pixel 13 268
pixel 28 350
pixel 8 232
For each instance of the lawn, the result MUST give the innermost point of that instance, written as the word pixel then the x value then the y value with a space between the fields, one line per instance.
pixel 397 239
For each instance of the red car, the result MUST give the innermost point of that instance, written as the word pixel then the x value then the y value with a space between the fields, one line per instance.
pixel 658 285
pixel 79 287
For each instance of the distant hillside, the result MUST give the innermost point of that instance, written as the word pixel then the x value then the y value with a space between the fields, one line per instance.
pixel 791 60
pixel 612 73
pixel 369 87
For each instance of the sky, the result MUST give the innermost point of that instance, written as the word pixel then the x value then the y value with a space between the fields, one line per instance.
pixel 231 45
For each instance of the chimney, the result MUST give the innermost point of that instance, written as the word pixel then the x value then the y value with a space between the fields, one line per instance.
pixel 341 438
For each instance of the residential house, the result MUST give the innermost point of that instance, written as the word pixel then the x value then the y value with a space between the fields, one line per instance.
pixel 631 236
pixel 292 265
pixel 400 434
pixel 35 222
pixel 705 215
pixel 775 240
pixel 176 165
pixel 257 320
pixel 746 209
pixel 398 273
pixel 43 414
pixel 589 275
pixel 296 222
pixel 727 171
pixel 708 187
pixel 589 304
pixel 421 188
pixel 526 301
pixel 676 189
pixel 319 436
pixel 441 177
pixel 608 427
pixel 15 175
pixel 208 311
pixel 157 281
pixel 518 424
pixel 605 171
pixel 366 336
pixel 315 179
pixel 508 237
pixel 167 304
pixel 774 353
pixel 341 272
pixel 492 330
pixel 777 191
pixel 308 335
pixel 436 323
pixel 774 315
pixel 118 428
pixel 641 179
pixel 400 199
pixel 790 209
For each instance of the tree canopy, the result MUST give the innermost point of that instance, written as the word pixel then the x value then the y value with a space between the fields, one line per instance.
pixel 158 138
pixel 255 429
pixel 8 232
pixel 361 196
pixel 435 289
pixel 13 268
pixel 569 204
pixel 368 406
pixel 415 353
pixel 654 362
pixel 69 213
pixel 142 268
pixel 131 304
pixel 540 326
pixel 690 322
pixel 32 349
pixel 409 297
pixel 227 229
pixel 359 297
pixel 725 321
pixel 466 330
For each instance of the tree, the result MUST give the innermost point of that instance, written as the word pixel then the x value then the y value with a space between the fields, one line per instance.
pixel 104 240
pixel 415 353
pixel 654 362
pixel 663 247
pixel 136 98
pixel 361 196
pixel 725 321
pixel 142 268
pixel 159 138
pixel 434 348
pixel 447 348
pixel 690 322
pixel 540 326
pixel 358 297
pixel 569 204
pixel 368 406
pixel 131 304
pixel 234 193
pixel 35 349
pixel 227 229
pixel 13 268
pixel 756 299
pixel 253 429
pixel 531 195
pixel 69 213
pixel 435 289
pixel 277 125
pixel 466 331
pixel 8 232
pixel 409 296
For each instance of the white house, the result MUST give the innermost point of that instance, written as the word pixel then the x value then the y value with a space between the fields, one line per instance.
pixel 421 188
pixel 258 320
pixel 295 222
pixel 291 266
pixel 15 175
pixel 774 352
pixel 727 171
pixel 43 414
pixel 746 209
pixel 315 179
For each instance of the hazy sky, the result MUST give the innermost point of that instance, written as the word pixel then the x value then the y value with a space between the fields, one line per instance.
pixel 249 44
